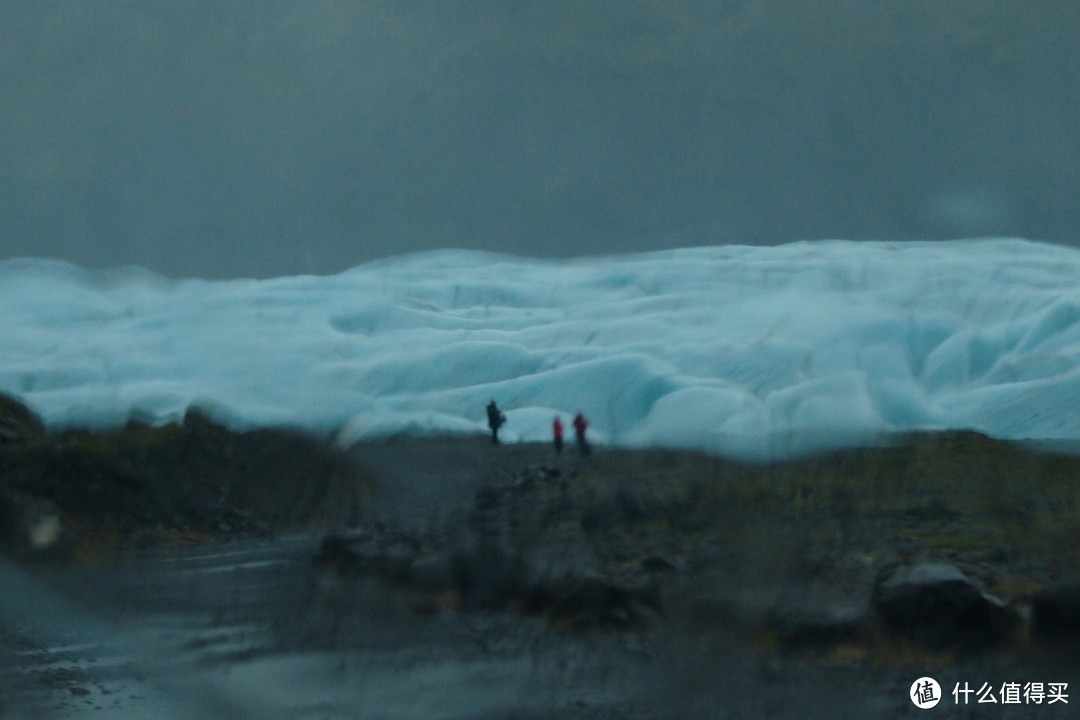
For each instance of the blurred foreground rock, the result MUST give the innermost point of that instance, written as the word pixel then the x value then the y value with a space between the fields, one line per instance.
pixel 479 577
pixel 834 605
pixel 936 605
pixel 591 552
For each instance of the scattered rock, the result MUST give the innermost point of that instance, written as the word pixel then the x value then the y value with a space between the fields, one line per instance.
pixel 534 475
pixel 938 606
pixel 592 601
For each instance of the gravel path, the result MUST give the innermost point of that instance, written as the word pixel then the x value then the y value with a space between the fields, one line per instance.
pixel 417 480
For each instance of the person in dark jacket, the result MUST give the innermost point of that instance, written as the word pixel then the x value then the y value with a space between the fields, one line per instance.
pixel 580 425
pixel 495 420
pixel 557 431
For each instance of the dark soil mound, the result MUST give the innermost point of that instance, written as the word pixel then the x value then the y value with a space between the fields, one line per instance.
pixel 192 481
pixel 17 422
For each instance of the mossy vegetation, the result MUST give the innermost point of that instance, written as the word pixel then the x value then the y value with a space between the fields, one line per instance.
pixel 189 482
pixel 955 496
pixel 1001 511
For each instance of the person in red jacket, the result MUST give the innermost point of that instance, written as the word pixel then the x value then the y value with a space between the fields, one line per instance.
pixel 580 424
pixel 556 429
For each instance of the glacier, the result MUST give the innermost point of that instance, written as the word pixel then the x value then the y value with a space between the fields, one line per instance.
pixel 750 352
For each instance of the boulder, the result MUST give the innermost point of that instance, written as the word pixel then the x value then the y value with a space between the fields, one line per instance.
pixel 834 606
pixel 437 572
pixel 395 562
pixel 342 555
pixel 936 605
pixel 594 601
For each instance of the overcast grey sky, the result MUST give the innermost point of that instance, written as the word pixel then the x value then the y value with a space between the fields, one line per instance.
pixel 227 138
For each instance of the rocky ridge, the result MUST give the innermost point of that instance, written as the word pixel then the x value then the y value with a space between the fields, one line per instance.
pixel 593 553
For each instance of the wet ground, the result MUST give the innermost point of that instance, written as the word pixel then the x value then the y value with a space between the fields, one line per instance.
pixel 249 629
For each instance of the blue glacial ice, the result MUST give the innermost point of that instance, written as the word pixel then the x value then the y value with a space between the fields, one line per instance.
pixel 754 352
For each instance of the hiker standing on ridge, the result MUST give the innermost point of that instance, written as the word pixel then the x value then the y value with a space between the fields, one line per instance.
pixel 495 420
pixel 580 424
pixel 556 429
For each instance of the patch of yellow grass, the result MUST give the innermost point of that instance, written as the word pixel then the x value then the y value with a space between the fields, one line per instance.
pixel 847 652
pixel 1016 587
pixel 894 653
pixel 174 536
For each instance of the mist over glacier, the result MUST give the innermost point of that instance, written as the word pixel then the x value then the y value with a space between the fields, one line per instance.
pixel 753 352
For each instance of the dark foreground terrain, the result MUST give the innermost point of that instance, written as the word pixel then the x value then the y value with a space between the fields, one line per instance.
pixel 190 571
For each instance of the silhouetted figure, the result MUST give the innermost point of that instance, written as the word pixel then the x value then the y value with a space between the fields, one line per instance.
pixel 495 420
pixel 556 430
pixel 580 425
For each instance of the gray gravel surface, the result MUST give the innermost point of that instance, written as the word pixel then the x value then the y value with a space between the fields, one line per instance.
pixel 418 480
